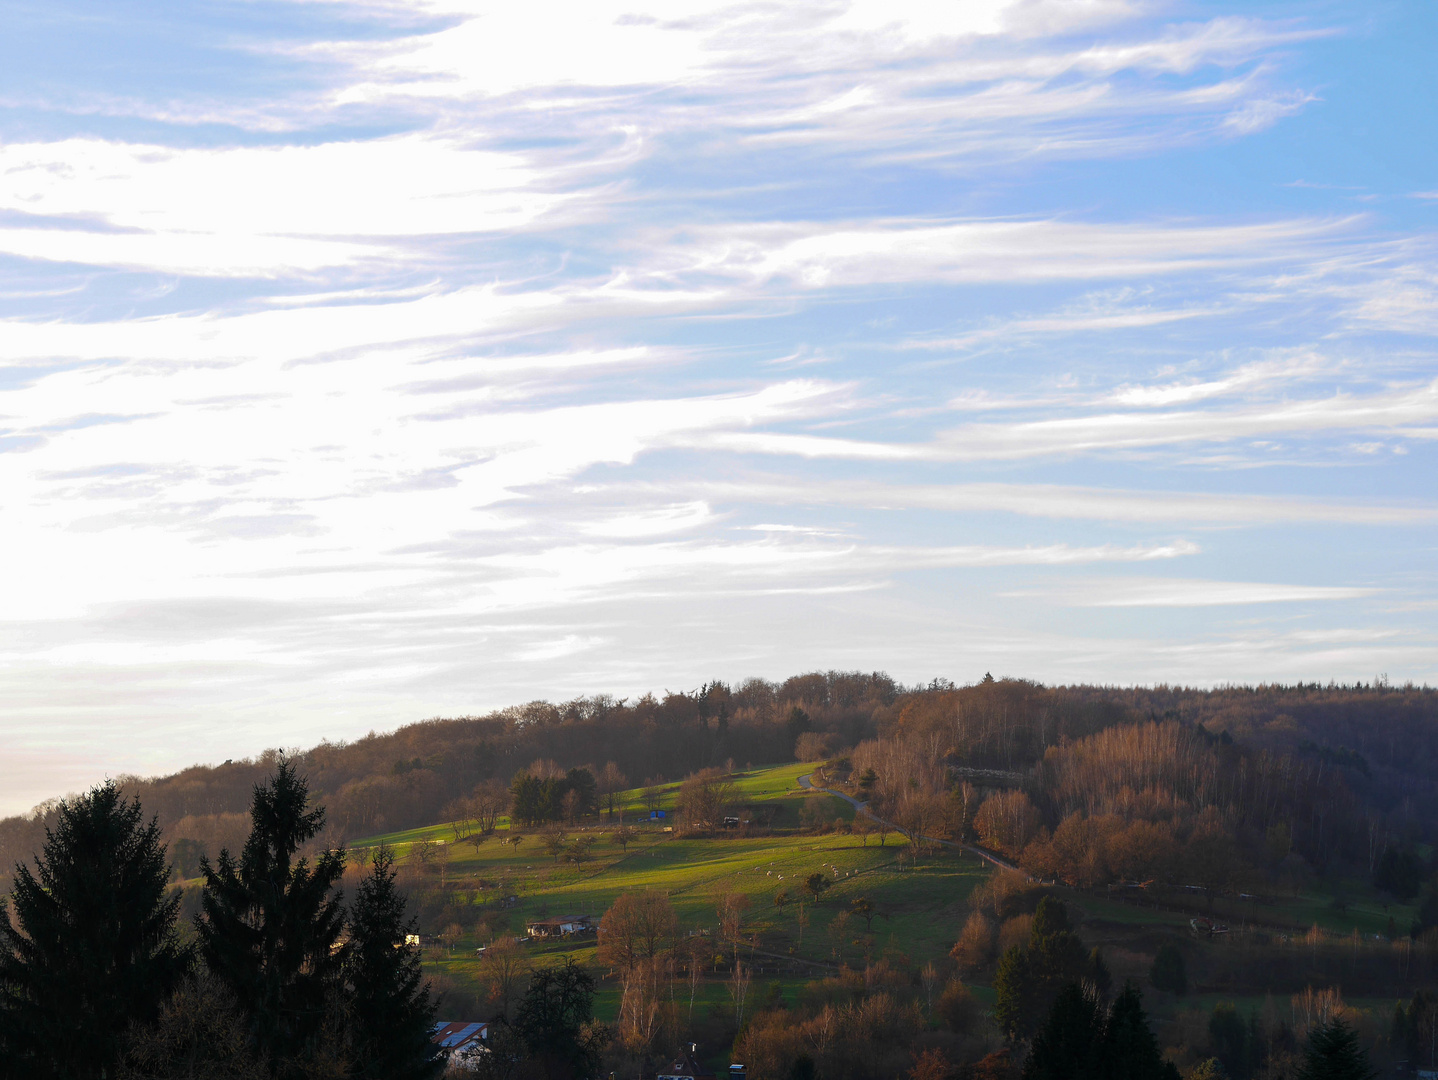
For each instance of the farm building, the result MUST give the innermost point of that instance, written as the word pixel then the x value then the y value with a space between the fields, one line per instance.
pixel 559 926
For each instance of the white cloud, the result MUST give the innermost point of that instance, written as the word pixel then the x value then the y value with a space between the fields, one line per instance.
pixel 870 253
pixel 568 645
pixel 1261 113
pixel 1244 379
pixel 1189 592
pixel 1063 501
pixel 1405 411
pixel 660 521
pixel 991 76
pixel 259 210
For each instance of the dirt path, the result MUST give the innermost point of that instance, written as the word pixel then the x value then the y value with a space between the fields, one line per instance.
pixel 863 808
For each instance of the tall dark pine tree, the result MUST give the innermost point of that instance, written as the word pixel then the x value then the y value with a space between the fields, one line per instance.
pixel 1064 1047
pixel 1030 976
pixel 271 924
pixel 391 1009
pixel 91 947
pixel 1334 1053
pixel 1128 1050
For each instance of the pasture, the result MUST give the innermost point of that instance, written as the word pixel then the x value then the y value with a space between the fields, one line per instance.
pixel 920 898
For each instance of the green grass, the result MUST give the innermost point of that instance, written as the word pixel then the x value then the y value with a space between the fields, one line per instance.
pixel 923 903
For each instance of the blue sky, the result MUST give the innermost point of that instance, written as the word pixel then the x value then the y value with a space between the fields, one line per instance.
pixel 363 362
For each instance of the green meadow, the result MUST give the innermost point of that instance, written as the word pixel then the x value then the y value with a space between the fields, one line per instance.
pixel 921 900
pixel 468 895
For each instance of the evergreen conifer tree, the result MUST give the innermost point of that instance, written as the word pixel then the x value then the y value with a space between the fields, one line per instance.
pixel 91 947
pixel 1097 972
pixel 1014 992
pixel 1064 1048
pixel 1050 917
pixel 1029 977
pixel 1334 1053
pixel 1168 971
pixel 391 1008
pixel 1128 1050
pixel 271 923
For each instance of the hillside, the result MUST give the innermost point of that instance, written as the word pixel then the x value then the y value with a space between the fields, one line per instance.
pixel 923 896
pixel 1254 857
pixel 1369 751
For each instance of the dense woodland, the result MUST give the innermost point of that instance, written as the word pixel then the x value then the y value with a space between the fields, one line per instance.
pixel 1296 780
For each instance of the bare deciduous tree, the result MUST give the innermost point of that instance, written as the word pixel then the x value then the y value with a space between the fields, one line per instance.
pixel 503 969
pixel 489 803
pixel 705 798
pixel 609 783
pixel 639 926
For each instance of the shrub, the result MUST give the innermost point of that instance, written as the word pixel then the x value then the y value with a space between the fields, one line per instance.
pixel 975 947
pixel 1168 972
pixel 957 1008
pixel 1015 931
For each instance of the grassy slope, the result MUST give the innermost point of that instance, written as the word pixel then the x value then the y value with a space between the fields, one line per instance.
pixel 925 904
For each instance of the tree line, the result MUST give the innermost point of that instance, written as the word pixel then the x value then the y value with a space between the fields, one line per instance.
pixel 1351 771
pixel 278 977
pixel 1076 789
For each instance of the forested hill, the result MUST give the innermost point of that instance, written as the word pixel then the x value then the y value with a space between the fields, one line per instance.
pixel 1346 770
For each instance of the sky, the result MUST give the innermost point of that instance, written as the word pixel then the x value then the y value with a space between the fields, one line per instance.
pixel 365 361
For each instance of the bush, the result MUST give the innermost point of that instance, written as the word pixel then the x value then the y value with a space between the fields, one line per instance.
pixel 975 947
pixel 1168 972
pixel 1400 872
pixel 957 1008
pixel 1015 931
pixel 813 746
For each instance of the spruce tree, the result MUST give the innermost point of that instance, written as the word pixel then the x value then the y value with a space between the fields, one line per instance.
pixel 270 924
pixel 91 947
pixel 1050 917
pixel 1097 971
pixel 1334 1053
pixel 1014 992
pixel 391 1008
pixel 1064 1048
pixel 1168 971
pixel 1128 1050
pixel 1030 976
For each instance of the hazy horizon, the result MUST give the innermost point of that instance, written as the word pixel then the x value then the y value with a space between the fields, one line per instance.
pixel 363 362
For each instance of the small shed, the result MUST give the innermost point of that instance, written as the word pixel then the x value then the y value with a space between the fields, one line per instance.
pixel 686 1067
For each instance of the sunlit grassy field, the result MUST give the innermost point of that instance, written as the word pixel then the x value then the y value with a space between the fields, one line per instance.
pixel 921 901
